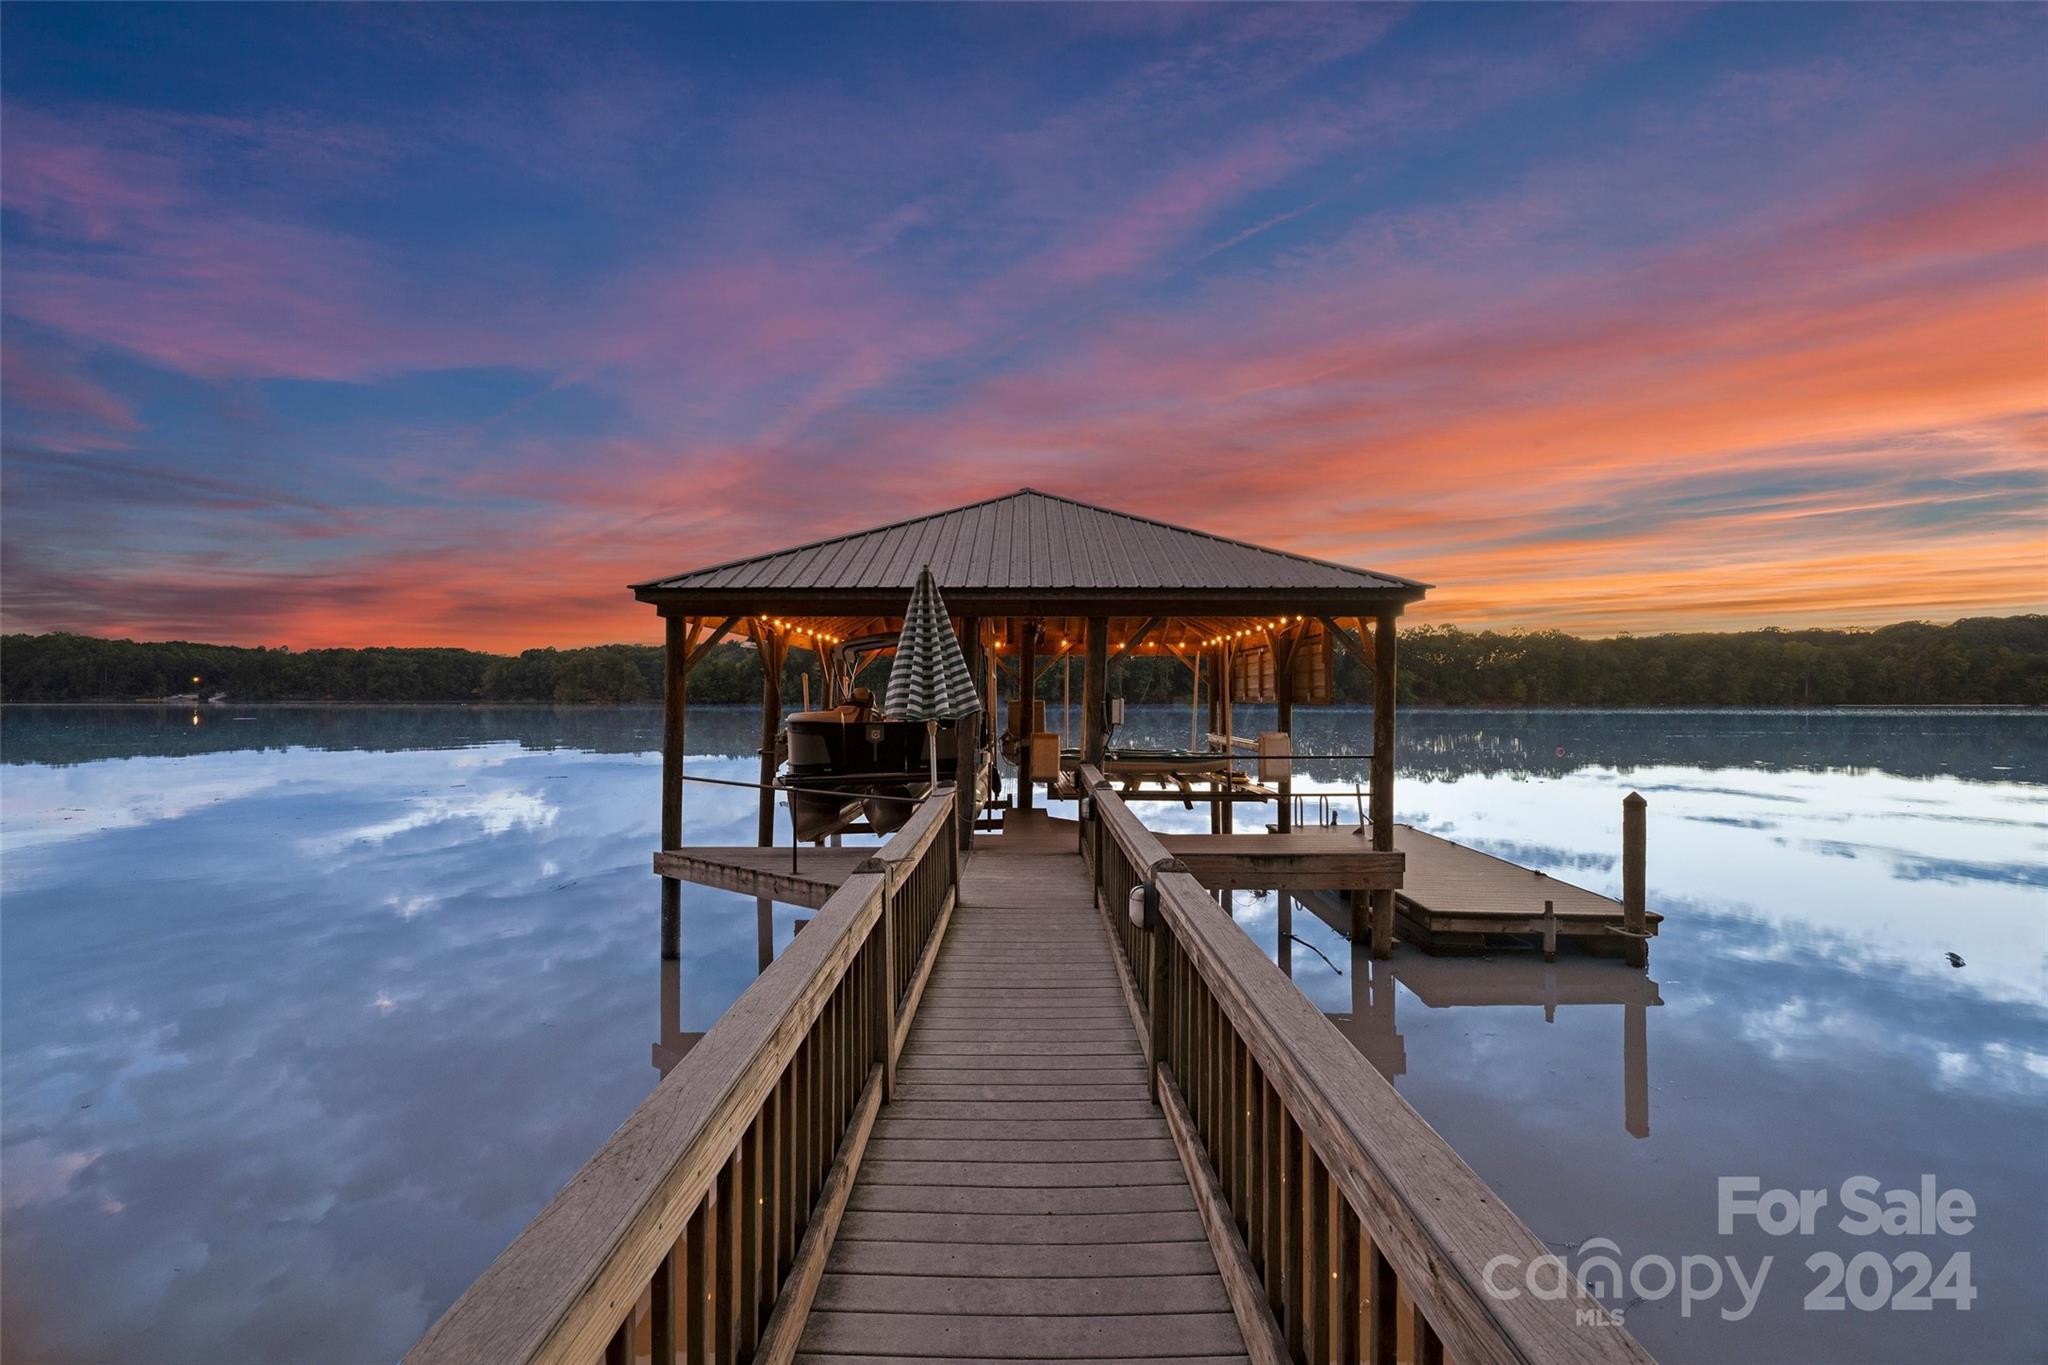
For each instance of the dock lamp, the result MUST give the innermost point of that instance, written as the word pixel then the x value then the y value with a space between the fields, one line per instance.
pixel 1144 906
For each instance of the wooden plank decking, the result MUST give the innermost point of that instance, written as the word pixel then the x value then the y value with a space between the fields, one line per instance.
pixel 1021 1198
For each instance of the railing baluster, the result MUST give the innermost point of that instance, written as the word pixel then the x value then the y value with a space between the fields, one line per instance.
pixel 723 1229
pixel 1292 1256
pixel 1270 1253
pixel 1345 1316
pixel 1241 1120
pixel 696 1293
pixel 747 1283
pixel 1318 1270
pixel 785 1102
pixel 662 1309
pixel 1386 1315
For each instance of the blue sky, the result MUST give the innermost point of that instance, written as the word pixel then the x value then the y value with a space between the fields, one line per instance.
pixel 436 324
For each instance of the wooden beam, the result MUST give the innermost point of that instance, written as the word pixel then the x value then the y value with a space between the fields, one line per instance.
pixel 1360 650
pixel 759 872
pixel 1050 664
pixel 710 643
pixel 1137 637
pixel 1095 691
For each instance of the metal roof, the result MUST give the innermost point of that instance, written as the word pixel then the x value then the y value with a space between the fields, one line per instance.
pixel 1030 541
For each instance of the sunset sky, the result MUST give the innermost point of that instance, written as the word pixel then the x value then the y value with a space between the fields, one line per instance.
pixel 416 325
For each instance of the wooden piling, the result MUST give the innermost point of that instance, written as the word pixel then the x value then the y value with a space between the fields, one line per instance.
pixel 674 701
pixel 1383 680
pixel 769 646
pixel 1283 707
pixel 1634 831
pixel 967 744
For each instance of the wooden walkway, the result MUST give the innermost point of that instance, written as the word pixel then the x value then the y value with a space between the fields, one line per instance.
pixel 1022 1198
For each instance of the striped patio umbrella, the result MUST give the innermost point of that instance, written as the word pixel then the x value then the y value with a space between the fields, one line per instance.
pixel 929 680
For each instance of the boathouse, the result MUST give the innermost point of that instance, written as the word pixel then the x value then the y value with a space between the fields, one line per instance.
pixel 1037 581
pixel 1022 1089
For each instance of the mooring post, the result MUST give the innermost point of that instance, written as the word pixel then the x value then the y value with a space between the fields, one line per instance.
pixel 1634 830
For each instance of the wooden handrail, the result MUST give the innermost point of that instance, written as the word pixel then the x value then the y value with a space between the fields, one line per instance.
pixel 899 857
pixel 759 1107
pixel 1239 1038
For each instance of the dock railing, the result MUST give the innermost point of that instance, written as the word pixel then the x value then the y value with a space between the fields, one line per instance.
pixel 701 1229
pixel 1347 1230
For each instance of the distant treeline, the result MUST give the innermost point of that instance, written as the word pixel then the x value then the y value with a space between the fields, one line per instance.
pixel 1979 661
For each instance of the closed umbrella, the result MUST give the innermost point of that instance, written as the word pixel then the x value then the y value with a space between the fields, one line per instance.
pixel 929 680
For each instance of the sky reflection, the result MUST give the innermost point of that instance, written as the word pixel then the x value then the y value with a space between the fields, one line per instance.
pixel 299 1035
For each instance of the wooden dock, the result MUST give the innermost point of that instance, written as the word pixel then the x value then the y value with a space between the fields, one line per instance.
pixel 1457 897
pixel 1450 897
pixel 979 1112
pixel 1022 1195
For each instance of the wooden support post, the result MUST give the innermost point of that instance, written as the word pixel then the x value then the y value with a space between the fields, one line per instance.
pixel 1634 833
pixel 769 648
pixel 1284 944
pixel 1383 681
pixel 674 701
pixel 967 744
pixel 1283 707
pixel 1549 932
pixel 1095 692
pixel 1027 677
pixel 1216 667
pixel 764 932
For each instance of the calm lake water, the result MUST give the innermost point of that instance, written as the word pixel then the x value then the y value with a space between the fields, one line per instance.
pixel 307 1011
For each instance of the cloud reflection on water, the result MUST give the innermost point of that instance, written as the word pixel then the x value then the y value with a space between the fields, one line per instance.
pixel 299 1036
